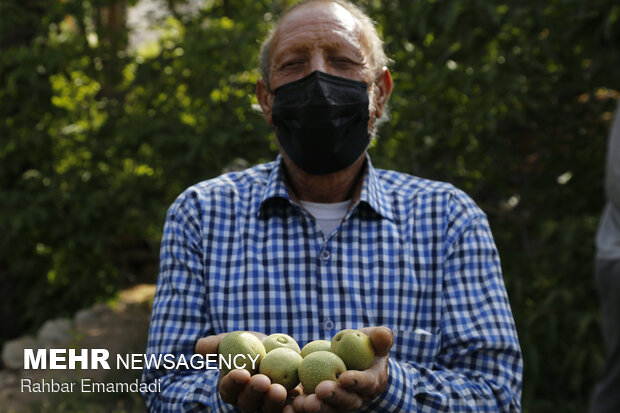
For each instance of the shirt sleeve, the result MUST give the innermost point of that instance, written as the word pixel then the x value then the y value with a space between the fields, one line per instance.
pixel 479 364
pixel 180 316
pixel 612 179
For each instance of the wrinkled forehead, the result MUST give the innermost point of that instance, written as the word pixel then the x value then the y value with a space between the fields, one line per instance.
pixel 320 14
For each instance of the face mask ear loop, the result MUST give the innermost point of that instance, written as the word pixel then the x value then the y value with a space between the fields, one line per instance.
pixel 374 80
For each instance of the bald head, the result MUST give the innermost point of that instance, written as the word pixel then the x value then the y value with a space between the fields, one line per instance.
pixel 358 26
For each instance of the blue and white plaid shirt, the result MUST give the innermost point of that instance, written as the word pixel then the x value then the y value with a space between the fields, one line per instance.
pixel 415 255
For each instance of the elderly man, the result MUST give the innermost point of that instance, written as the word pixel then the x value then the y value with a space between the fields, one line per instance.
pixel 320 240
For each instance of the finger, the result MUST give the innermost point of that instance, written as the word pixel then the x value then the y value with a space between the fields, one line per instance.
pixel 298 403
pixel 209 344
pixel 232 384
pixel 335 396
pixel 252 396
pixel 293 394
pixel 382 339
pixel 261 336
pixel 313 404
pixel 275 399
pixel 297 391
pixel 290 409
pixel 368 383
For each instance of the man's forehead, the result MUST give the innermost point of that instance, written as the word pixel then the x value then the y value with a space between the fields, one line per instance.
pixel 321 11
pixel 318 13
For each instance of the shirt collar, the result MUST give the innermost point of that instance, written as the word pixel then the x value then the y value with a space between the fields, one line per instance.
pixel 275 187
pixel 372 193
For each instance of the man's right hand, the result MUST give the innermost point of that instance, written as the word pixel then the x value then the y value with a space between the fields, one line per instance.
pixel 354 388
pixel 250 393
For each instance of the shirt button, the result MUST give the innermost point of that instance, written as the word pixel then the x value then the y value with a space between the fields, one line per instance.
pixel 328 325
pixel 325 255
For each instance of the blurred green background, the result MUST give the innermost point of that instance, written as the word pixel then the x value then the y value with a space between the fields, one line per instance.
pixel 101 126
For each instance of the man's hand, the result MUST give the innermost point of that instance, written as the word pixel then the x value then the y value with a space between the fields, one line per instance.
pixel 354 388
pixel 250 394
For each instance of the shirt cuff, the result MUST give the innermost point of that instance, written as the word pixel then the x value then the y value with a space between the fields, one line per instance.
pixel 205 395
pixel 192 393
pixel 405 385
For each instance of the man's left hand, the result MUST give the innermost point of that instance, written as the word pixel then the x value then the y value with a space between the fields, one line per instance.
pixel 354 388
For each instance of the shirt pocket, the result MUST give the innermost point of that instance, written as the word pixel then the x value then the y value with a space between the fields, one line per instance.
pixel 419 346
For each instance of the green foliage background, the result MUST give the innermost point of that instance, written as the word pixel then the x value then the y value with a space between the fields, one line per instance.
pixel 509 100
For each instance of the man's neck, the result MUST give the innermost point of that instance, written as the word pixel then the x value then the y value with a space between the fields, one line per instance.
pixel 336 187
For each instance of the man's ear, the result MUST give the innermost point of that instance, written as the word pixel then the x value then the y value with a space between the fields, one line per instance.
pixel 265 99
pixel 384 83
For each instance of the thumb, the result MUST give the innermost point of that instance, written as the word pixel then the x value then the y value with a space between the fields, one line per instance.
pixel 209 344
pixel 382 339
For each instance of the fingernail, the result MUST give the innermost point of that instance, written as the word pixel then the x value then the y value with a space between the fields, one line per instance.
pixel 331 394
pixel 351 384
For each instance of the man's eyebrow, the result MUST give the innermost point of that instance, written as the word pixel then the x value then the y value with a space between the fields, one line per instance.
pixel 295 48
pixel 351 47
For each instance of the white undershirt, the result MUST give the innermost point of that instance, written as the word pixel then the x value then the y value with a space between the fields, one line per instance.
pixel 328 216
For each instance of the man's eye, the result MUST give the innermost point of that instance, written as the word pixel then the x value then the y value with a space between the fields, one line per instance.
pixel 291 64
pixel 343 61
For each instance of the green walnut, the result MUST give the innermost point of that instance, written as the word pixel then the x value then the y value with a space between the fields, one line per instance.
pixel 316 345
pixel 354 348
pixel 320 366
pixel 281 365
pixel 243 349
pixel 278 340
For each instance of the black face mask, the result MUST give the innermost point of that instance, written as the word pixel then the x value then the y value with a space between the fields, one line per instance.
pixel 322 121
